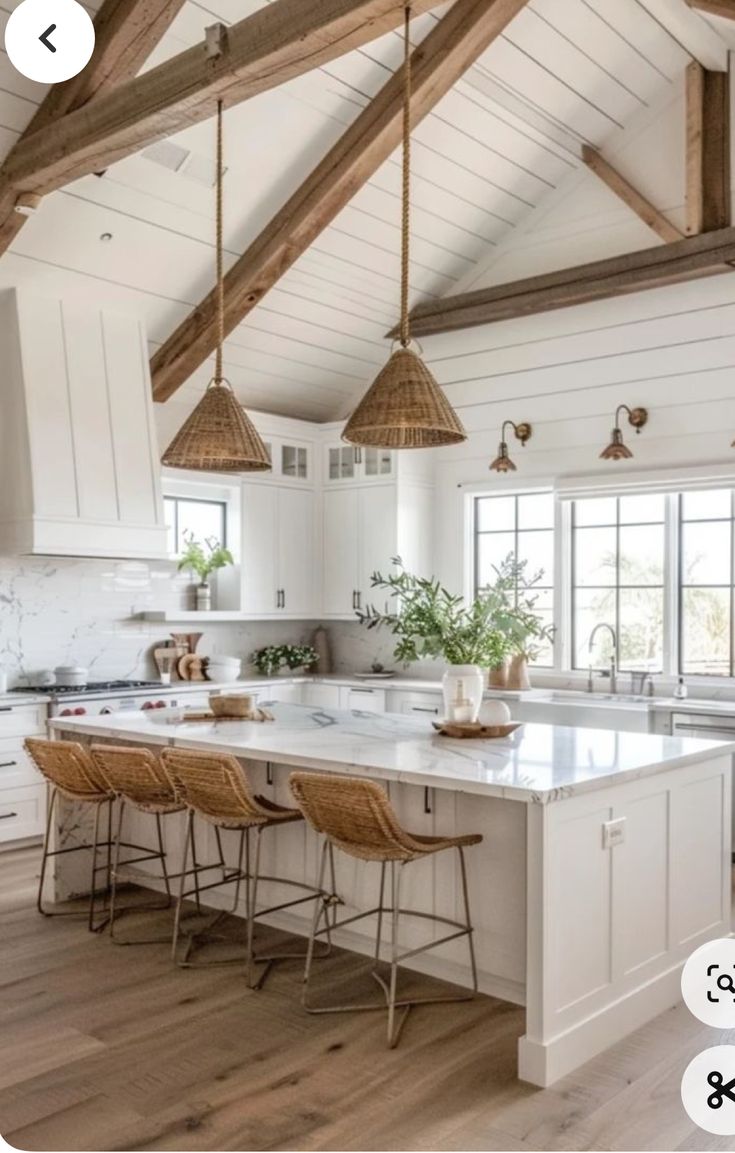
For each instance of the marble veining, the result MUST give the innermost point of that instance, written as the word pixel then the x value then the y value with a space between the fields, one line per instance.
pixel 536 764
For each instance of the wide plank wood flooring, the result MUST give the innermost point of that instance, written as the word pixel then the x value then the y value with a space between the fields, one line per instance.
pixel 108 1048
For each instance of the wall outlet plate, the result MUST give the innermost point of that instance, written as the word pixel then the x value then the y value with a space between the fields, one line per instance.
pixel 613 833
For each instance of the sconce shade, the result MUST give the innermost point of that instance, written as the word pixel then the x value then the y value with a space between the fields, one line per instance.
pixel 218 436
pixel 616 450
pixel 404 408
pixel 502 462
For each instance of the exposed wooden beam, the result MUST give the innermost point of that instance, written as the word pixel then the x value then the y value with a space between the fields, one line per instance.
pixel 688 259
pixel 724 8
pixel 448 51
pixel 276 43
pixel 126 32
pixel 708 196
pixel 630 195
pixel 691 31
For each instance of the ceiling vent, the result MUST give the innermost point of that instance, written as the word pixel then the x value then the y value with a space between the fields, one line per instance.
pixel 168 155
pixel 191 165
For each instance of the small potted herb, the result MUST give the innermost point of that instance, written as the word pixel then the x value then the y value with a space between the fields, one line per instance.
pixel 203 560
pixel 280 660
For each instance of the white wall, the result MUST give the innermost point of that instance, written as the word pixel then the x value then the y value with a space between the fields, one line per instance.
pixel 671 350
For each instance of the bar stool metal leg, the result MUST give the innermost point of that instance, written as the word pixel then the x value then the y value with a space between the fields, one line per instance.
pixel 93 925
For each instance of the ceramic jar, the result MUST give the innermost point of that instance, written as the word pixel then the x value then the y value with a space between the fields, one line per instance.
pixel 465 684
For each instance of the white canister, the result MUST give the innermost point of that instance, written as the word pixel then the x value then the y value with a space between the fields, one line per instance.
pixel 71 676
pixel 463 683
pixel 495 712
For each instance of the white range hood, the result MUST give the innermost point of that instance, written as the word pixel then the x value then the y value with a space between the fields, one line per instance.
pixel 79 468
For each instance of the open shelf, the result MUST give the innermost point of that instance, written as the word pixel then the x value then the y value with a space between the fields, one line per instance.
pixel 181 616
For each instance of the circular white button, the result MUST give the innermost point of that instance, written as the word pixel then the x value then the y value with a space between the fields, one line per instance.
pixel 708 983
pixel 49 40
pixel 708 1090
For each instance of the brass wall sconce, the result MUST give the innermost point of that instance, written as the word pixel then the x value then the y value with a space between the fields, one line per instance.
pixel 617 449
pixel 502 462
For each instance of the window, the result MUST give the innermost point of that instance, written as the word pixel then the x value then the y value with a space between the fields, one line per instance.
pixel 618 561
pixel 706 582
pixel 524 526
pixel 202 518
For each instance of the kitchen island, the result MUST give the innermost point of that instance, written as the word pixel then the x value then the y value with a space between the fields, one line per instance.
pixel 605 859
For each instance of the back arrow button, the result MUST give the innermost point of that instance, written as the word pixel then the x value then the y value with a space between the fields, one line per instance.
pixel 44 38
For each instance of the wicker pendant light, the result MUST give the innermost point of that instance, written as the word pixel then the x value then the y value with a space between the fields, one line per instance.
pixel 219 435
pixel 404 407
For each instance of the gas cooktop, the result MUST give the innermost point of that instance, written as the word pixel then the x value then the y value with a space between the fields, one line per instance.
pixel 90 687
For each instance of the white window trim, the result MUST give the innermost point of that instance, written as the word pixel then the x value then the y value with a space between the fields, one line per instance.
pixel 215 488
pixel 669 485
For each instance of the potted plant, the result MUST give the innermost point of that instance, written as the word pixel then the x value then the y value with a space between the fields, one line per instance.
pixel 526 631
pixel 204 559
pixel 275 660
pixel 267 661
pixel 428 621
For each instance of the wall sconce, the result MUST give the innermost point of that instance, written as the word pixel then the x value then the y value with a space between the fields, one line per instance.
pixel 502 462
pixel 617 449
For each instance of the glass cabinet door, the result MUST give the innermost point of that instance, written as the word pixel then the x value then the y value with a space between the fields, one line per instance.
pixel 378 462
pixel 342 461
pixel 295 461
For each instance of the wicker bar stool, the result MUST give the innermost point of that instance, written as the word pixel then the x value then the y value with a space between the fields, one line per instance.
pixel 139 782
pixel 216 789
pixel 356 817
pixel 71 773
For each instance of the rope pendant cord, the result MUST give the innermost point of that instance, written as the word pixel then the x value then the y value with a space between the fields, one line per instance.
pixel 219 247
pixel 406 191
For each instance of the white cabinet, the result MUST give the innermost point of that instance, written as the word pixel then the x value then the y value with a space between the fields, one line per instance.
pixel 278 577
pixel 345 463
pixel 320 696
pixel 22 788
pixel 365 700
pixel 291 459
pixel 79 467
pixel 416 704
pixel 360 537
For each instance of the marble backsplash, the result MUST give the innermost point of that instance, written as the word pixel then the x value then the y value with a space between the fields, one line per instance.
pixel 75 611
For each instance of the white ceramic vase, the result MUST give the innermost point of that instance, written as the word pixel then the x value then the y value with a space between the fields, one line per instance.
pixel 463 683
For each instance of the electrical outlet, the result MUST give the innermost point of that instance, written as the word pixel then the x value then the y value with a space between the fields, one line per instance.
pixel 613 833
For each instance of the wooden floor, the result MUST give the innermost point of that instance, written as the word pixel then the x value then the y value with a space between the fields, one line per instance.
pixel 107 1048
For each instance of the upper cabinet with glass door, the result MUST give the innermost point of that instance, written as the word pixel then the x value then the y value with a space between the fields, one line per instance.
pixel 345 463
pixel 291 460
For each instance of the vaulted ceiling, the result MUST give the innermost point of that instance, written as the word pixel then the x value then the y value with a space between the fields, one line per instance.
pixel 565 73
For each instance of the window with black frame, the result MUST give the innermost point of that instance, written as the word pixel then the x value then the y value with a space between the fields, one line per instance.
pixel 706 582
pixel 203 519
pixel 523 526
pixel 618 564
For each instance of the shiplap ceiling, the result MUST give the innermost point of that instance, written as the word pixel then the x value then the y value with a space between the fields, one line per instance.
pixel 566 72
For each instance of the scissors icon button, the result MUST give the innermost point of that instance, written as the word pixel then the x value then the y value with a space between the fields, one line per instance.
pixel 722 1089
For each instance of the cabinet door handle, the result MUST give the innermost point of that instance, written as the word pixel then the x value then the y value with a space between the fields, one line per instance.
pixel 6 708
pixel 358 598
pixel 8 764
pixel 368 691
pixel 706 729
pixel 6 816
pixel 354 599
pixel 423 709
pixel 283 598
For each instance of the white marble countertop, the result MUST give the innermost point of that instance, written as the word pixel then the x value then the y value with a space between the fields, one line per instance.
pixel 537 763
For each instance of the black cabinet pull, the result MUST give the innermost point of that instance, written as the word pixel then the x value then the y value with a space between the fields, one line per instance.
pixel 6 816
pixel 358 596
pixel 283 598
pixel 422 709
pixel 427 801
pixel 6 708
pixel 8 764
pixel 269 773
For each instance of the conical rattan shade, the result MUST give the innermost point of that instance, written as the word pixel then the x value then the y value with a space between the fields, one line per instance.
pixel 217 437
pixel 404 408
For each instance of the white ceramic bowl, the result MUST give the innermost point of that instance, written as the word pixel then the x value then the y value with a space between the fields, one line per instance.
pixel 224 674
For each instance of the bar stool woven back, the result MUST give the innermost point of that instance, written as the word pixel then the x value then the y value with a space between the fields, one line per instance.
pixel 358 818
pixel 69 768
pixel 138 775
pixel 217 787
pixel 71 772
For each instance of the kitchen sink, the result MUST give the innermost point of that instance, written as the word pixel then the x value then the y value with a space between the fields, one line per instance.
pixel 573 697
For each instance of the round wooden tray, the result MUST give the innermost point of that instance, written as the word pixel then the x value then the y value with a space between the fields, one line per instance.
pixel 476 730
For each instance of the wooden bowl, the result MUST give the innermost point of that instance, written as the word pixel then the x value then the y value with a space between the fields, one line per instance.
pixel 231 704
